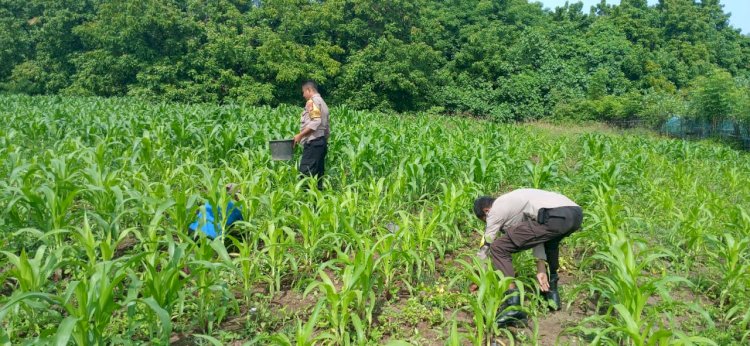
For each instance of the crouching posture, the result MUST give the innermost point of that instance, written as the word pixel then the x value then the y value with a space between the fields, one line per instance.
pixel 209 223
pixel 528 219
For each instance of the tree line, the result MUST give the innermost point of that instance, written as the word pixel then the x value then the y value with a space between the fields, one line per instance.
pixel 502 59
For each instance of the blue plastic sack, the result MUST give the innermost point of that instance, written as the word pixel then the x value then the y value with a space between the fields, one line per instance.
pixel 209 228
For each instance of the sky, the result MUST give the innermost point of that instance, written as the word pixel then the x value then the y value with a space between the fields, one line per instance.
pixel 740 10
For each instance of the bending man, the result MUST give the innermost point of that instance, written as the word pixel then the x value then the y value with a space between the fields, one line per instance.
pixel 527 218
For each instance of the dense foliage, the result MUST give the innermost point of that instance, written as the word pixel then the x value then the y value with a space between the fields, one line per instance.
pixel 96 195
pixel 508 59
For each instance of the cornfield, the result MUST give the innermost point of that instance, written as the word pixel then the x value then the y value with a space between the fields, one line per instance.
pixel 96 197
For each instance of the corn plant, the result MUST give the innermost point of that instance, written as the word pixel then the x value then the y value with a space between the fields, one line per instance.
pixel 80 176
pixel 246 264
pixel 417 242
pixel 387 260
pixel 626 290
pixel 32 274
pixel 339 304
pixel 691 228
pixel 214 300
pixel 91 304
pixel 488 299
pixel 541 174
pixel 311 226
pixel 455 338
pixel 95 249
pixel 304 335
pixel 276 243
pixel 351 306
pixel 162 278
pixel 731 256
pixel 607 212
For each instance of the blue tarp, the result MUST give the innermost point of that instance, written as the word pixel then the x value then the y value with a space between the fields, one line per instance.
pixel 209 222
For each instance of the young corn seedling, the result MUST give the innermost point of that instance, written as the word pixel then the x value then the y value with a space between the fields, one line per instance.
pixel 214 299
pixel 277 241
pixel 418 244
pixel 488 299
pixel 339 307
pixel 627 291
pixel 162 278
pixel 305 334
pixel 606 213
pixel 387 261
pixel 731 256
pixel 353 304
pixel 182 214
pixel 541 174
pixel 455 338
pixel 310 229
pixel 246 264
pixel 90 305
pixel 690 229
pixel 32 274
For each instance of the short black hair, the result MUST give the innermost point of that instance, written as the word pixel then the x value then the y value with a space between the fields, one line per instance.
pixel 310 84
pixel 480 204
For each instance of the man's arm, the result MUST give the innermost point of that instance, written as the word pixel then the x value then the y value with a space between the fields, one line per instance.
pixel 304 133
pixel 489 235
pixel 495 220
pixel 541 275
pixel 541 267
pixel 494 225
pixel 314 113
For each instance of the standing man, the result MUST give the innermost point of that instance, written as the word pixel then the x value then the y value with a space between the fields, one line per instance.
pixel 527 218
pixel 313 135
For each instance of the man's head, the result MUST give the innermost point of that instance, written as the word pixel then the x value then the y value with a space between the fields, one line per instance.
pixel 309 89
pixel 233 190
pixel 482 206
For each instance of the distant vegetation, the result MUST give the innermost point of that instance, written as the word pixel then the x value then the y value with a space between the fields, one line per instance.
pixel 509 60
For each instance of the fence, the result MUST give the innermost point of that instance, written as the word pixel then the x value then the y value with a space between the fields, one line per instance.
pixel 733 132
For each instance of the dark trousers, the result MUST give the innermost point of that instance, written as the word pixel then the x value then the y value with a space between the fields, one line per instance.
pixel 558 224
pixel 313 160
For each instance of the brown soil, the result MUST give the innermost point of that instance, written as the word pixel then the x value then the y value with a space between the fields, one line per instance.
pixel 424 333
pixel 181 339
pixel 293 302
pixel 551 327
pixel 125 245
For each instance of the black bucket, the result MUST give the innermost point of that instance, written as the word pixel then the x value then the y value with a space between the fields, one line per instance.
pixel 281 149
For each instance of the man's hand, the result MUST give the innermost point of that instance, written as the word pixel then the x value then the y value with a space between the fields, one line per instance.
pixel 543 281
pixel 301 135
pixel 482 253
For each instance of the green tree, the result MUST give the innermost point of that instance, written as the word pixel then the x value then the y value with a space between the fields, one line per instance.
pixel 508 60
pixel 391 74
pixel 713 97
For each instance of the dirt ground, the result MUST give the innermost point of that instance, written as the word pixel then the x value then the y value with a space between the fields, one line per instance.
pixel 549 326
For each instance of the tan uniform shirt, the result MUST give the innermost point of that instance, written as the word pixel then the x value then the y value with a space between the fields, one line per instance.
pixel 516 206
pixel 315 116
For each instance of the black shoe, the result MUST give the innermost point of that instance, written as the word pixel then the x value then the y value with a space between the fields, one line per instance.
pixel 553 295
pixel 510 312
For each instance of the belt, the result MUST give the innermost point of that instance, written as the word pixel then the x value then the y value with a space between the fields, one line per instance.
pixel 314 141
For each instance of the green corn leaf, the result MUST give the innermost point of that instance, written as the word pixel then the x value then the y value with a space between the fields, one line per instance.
pixel 65 330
